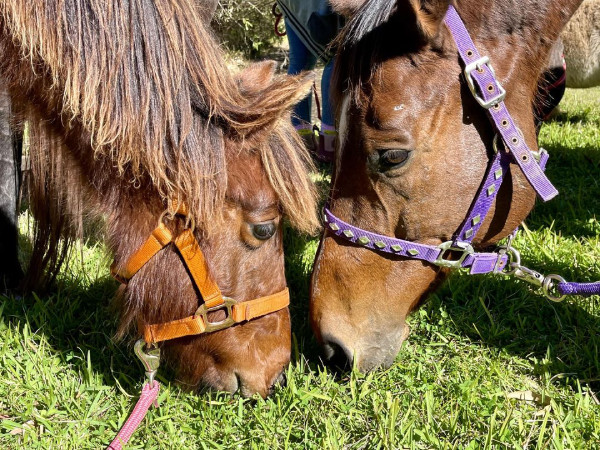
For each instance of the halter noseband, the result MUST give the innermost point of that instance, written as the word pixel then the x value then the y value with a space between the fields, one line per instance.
pixel 459 252
pixel 193 258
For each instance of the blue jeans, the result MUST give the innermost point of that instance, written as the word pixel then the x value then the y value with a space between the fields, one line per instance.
pixel 302 59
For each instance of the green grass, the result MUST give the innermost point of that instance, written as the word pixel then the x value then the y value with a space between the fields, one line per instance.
pixel 489 364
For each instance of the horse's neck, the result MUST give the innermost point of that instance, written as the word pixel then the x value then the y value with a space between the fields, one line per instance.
pixel 517 34
pixel 537 21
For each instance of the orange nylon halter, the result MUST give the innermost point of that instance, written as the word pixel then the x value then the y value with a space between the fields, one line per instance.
pixel 193 258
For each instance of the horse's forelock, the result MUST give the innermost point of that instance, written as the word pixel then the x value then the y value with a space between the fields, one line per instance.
pixel 368 17
pixel 288 166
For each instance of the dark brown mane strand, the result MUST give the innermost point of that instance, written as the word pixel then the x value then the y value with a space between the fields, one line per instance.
pixel 372 14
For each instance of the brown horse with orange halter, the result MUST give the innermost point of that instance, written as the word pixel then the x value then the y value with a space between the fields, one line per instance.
pixel 414 148
pixel 135 118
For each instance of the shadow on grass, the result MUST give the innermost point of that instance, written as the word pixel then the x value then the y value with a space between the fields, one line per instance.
pixel 564 117
pixel 560 340
pixel 78 322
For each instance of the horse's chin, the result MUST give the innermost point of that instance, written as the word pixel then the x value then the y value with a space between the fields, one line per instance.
pixel 382 358
pixel 236 383
pixel 374 351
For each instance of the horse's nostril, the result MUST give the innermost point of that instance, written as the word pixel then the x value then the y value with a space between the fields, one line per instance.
pixel 337 355
pixel 281 381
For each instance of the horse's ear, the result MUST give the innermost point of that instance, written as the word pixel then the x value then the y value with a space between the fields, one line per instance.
pixel 256 76
pixel 417 21
pixel 273 100
pixel 429 15
pixel 346 8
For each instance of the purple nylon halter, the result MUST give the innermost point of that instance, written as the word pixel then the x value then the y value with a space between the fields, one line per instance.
pixel 490 95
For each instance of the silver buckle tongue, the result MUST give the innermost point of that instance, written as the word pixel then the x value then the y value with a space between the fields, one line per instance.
pixel 150 358
pixel 477 65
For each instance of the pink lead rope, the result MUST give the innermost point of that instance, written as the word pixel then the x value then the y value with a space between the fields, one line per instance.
pixel 147 398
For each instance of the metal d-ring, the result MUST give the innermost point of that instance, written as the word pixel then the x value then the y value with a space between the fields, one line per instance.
pixel 165 215
pixel 495 143
pixel 548 286
pixel 228 321
pixel 190 222
pixel 514 260
pixel 464 248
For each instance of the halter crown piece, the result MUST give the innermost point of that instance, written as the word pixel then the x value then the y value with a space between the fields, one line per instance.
pixel 459 252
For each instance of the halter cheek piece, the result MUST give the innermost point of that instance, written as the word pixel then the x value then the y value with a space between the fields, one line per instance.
pixel 459 252
pixel 193 258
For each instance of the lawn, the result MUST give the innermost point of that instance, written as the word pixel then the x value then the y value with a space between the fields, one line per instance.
pixel 489 364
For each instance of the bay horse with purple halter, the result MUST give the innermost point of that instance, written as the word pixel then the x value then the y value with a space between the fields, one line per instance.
pixel 134 117
pixel 414 84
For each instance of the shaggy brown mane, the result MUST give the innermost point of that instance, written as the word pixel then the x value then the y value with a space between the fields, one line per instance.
pixel 145 84
pixel 133 74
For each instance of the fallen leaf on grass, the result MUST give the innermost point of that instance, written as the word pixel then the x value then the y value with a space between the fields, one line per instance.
pixel 531 397
pixel 542 412
pixel 26 425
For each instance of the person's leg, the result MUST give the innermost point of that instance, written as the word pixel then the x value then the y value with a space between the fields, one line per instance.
pixel 328 134
pixel 300 59
pixel 10 154
pixel 327 113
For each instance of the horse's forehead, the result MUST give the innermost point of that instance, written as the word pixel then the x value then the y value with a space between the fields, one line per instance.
pixel 248 184
pixel 401 90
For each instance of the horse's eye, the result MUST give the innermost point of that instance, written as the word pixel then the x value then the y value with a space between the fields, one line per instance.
pixel 263 231
pixel 392 158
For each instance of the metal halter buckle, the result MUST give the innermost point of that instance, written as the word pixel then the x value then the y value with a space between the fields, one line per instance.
pixel 465 248
pixel 228 321
pixel 150 358
pixel 476 65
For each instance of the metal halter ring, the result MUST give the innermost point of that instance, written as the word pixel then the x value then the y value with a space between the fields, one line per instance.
pixel 226 306
pixel 495 143
pixel 548 286
pixel 464 248
pixel 190 223
pixel 514 260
